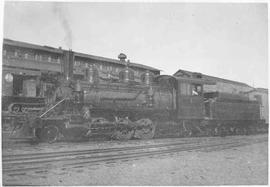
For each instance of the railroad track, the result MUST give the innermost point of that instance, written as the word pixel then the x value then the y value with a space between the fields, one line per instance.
pixel 29 147
pixel 42 162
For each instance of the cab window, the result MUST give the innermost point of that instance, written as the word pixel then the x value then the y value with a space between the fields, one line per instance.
pixel 196 89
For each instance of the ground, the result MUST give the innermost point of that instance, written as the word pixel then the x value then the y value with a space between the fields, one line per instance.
pixel 244 165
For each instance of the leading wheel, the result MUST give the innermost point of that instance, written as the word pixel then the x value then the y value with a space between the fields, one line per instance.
pixel 49 134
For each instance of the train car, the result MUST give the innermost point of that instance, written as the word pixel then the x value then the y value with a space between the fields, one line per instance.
pixel 31 75
pixel 121 109
pixel 157 106
pixel 211 113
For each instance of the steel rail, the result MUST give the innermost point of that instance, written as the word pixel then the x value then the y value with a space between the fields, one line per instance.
pixel 9 157
pixel 82 161
pixel 31 156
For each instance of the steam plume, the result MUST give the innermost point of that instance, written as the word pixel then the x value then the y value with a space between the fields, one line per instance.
pixel 61 13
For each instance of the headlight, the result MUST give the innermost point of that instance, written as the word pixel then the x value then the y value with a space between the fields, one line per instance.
pixel 9 77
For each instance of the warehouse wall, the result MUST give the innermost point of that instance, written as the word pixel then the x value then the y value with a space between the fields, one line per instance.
pixel 261 95
pixel 227 87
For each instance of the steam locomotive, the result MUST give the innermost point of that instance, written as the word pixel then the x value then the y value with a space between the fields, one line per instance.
pixel 158 106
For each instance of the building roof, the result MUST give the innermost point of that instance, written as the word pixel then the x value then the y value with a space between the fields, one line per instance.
pixel 225 80
pixel 59 50
pixel 211 78
pixel 110 60
pixel 260 90
pixel 31 46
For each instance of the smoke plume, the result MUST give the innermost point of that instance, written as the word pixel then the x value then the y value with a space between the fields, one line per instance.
pixel 61 12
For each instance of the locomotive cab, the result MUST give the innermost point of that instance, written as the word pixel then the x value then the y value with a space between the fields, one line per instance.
pixel 190 101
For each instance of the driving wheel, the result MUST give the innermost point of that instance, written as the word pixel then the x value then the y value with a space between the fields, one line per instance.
pixel 145 129
pixel 124 130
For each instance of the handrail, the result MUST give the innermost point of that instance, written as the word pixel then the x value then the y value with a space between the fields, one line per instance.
pixel 52 108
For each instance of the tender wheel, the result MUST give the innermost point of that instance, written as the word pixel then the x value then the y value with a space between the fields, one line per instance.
pixel 253 130
pixel 49 134
pixel 223 132
pixel 231 131
pixel 245 131
pixel 145 129
pixel 238 131
pixel 210 131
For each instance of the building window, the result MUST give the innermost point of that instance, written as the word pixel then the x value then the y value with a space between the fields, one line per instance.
pixel 4 52
pixel 58 60
pixel 26 56
pixel 49 59
pixel 15 53
pixel 77 63
pixel 113 69
pixel 258 98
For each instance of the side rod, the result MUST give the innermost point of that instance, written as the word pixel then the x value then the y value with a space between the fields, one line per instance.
pixel 52 108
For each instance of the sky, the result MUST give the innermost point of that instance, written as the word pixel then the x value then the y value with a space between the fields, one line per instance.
pixel 227 40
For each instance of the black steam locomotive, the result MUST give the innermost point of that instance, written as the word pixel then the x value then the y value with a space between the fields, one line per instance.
pixel 158 106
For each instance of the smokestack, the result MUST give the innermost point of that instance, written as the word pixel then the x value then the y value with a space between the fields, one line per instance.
pixel 67 64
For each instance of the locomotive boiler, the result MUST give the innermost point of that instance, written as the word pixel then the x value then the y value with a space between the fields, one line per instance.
pixel 157 106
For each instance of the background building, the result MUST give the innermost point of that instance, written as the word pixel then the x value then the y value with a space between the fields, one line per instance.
pixel 261 95
pixel 233 87
pixel 25 63
pixel 222 85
